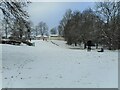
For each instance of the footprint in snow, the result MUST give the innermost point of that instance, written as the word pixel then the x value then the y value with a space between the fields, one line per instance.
pixel 113 59
pixel 77 81
pixel 78 63
pixel 29 77
pixel 60 77
pixel 89 83
pixel 21 78
pixel 3 67
pixel 6 68
pixel 29 68
pixel 46 77
pixel 84 77
pixel 5 78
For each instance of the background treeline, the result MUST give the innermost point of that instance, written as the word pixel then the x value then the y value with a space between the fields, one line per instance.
pixel 101 25
pixel 15 23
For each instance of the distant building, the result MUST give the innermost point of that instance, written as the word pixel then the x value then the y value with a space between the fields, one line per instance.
pixel 33 37
pixel 55 37
pixel 39 37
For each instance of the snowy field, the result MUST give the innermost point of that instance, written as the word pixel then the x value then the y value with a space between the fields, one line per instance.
pixel 47 65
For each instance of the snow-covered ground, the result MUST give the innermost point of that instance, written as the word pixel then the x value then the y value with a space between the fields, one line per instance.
pixel 47 65
pixel 63 44
pixel 0 67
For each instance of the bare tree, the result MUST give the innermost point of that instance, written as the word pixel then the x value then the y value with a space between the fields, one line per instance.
pixel 14 11
pixel 108 11
pixel 63 22
pixel 43 28
pixel 53 30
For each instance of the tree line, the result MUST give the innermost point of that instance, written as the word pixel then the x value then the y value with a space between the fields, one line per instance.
pixel 101 25
pixel 15 21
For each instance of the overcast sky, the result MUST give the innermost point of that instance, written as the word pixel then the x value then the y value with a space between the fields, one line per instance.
pixel 52 13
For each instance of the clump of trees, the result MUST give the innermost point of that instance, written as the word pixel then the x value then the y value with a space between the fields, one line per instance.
pixel 15 19
pixel 100 26
pixel 41 29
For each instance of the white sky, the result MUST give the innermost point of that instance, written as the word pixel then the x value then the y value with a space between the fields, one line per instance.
pixel 52 13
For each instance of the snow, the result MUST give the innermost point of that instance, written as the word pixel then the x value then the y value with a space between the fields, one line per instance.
pixel 63 44
pixel 47 65
pixel 41 36
pixel 54 35
pixel 0 67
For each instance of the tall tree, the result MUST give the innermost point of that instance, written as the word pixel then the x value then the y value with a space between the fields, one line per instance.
pixel 108 11
pixel 67 16
pixel 43 28
pixel 118 23
pixel 14 11
pixel 53 30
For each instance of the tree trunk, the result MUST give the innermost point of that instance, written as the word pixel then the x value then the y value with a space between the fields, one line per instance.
pixel 75 44
pixel 85 46
pixel 96 45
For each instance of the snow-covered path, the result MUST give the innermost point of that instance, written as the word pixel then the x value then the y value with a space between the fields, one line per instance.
pixel 47 65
